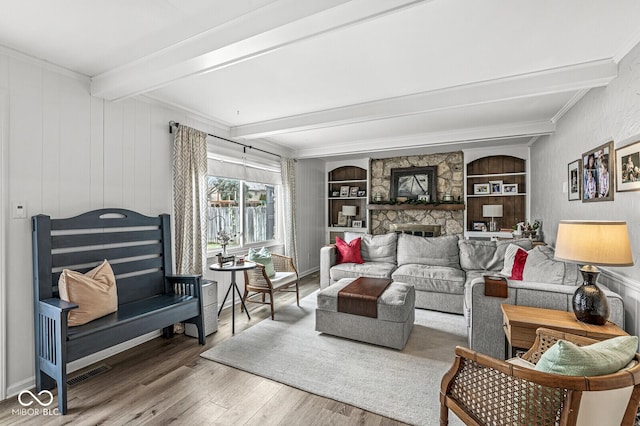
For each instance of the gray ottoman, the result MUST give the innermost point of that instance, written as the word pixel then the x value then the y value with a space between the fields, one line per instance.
pixel 396 313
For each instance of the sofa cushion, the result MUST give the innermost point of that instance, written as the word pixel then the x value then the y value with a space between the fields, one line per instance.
pixel 542 267
pixel 487 255
pixel 348 252
pixel 437 251
pixel 376 248
pixel 367 269
pixel 519 262
pixel 439 279
pixel 597 359
pixel 501 250
pixel 475 254
pixel 509 259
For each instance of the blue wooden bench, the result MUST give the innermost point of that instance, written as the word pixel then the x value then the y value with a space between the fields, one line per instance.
pixel 149 297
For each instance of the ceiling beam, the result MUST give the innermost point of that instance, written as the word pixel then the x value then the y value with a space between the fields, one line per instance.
pixel 266 29
pixel 557 80
pixel 456 137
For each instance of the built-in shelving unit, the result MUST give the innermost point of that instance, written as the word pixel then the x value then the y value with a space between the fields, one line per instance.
pixel 507 169
pixel 347 185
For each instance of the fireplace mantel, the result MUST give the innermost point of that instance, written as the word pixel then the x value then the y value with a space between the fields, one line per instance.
pixel 443 206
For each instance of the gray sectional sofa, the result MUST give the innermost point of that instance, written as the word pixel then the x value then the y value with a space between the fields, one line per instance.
pixel 447 273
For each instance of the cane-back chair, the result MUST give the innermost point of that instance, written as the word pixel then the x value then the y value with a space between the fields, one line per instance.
pixel 482 390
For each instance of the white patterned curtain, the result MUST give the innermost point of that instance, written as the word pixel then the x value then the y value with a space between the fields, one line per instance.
pixel 288 170
pixel 190 199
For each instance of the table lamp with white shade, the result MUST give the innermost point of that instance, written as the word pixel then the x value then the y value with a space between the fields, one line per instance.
pixel 591 243
pixel 492 211
pixel 349 212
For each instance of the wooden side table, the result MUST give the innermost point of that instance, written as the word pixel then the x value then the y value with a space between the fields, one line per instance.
pixel 521 322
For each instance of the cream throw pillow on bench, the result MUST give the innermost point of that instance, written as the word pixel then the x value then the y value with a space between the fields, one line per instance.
pixel 95 293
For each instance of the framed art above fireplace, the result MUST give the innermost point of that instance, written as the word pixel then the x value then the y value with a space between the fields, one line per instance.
pixel 411 182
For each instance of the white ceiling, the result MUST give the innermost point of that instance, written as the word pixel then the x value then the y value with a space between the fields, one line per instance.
pixel 336 77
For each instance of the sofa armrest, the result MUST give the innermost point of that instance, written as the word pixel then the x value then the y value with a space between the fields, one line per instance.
pixel 327 260
pixel 484 316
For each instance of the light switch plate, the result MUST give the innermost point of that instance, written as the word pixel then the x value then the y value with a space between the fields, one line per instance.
pixel 19 209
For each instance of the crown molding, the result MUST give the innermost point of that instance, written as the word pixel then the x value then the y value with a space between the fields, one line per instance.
pixel 215 125
pixel 566 107
pixel 626 47
pixel 44 64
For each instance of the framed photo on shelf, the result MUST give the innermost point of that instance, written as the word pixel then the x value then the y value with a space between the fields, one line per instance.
pixel 481 189
pixel 356 224
pixel 478 225
pixel 353 191
pixel 496 186
pixel 597 174
pixel 344 191
pixel 362 193
pixel 628 167
pixel 574 176
pixel 509 188
pixel 334 193
pixel 342 219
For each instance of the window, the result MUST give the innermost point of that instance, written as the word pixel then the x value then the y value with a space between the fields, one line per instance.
pixel 245 210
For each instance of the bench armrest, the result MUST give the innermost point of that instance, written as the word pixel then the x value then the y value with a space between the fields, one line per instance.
pixel 188 285
pixel 56 305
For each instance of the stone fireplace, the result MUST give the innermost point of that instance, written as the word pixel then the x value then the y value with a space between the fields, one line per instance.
pixel 449 180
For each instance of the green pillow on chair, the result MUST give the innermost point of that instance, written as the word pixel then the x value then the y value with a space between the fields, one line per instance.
pixel 263 257
pixel 600 358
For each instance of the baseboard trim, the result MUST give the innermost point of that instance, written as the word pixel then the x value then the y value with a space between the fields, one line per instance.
pixel 16 388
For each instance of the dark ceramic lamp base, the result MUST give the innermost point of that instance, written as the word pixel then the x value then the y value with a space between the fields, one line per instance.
pixel 590 304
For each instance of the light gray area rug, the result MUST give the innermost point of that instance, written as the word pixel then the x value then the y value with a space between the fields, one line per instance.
pixel 403 385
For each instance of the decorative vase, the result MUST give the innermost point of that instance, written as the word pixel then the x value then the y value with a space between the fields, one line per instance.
pixel 589 302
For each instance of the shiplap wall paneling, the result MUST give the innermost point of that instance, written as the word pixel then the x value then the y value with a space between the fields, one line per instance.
pixel 97 154
pixel 25 181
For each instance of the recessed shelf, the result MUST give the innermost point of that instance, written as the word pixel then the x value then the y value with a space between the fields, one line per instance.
pixel 492 175
pixel 495 195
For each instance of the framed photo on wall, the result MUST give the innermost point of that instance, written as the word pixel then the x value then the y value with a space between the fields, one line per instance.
pixel 597 174
pixel 628 167
pixel 574 179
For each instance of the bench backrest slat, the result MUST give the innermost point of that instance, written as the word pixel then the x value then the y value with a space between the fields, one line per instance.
pixel 83 240
pixel 138 248
pixel 65 260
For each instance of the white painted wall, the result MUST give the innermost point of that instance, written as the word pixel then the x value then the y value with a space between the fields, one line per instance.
pixel 67 153
pixel 310 184
pixel 604 113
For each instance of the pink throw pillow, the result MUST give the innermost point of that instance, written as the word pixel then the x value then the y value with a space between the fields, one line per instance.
pixel 348 252
pixel 518 265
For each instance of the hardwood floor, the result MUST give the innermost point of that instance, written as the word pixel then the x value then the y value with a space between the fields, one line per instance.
pixel 165 381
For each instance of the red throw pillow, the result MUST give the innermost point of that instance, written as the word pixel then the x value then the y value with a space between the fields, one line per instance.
pixel 518 265
pixel 348 252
